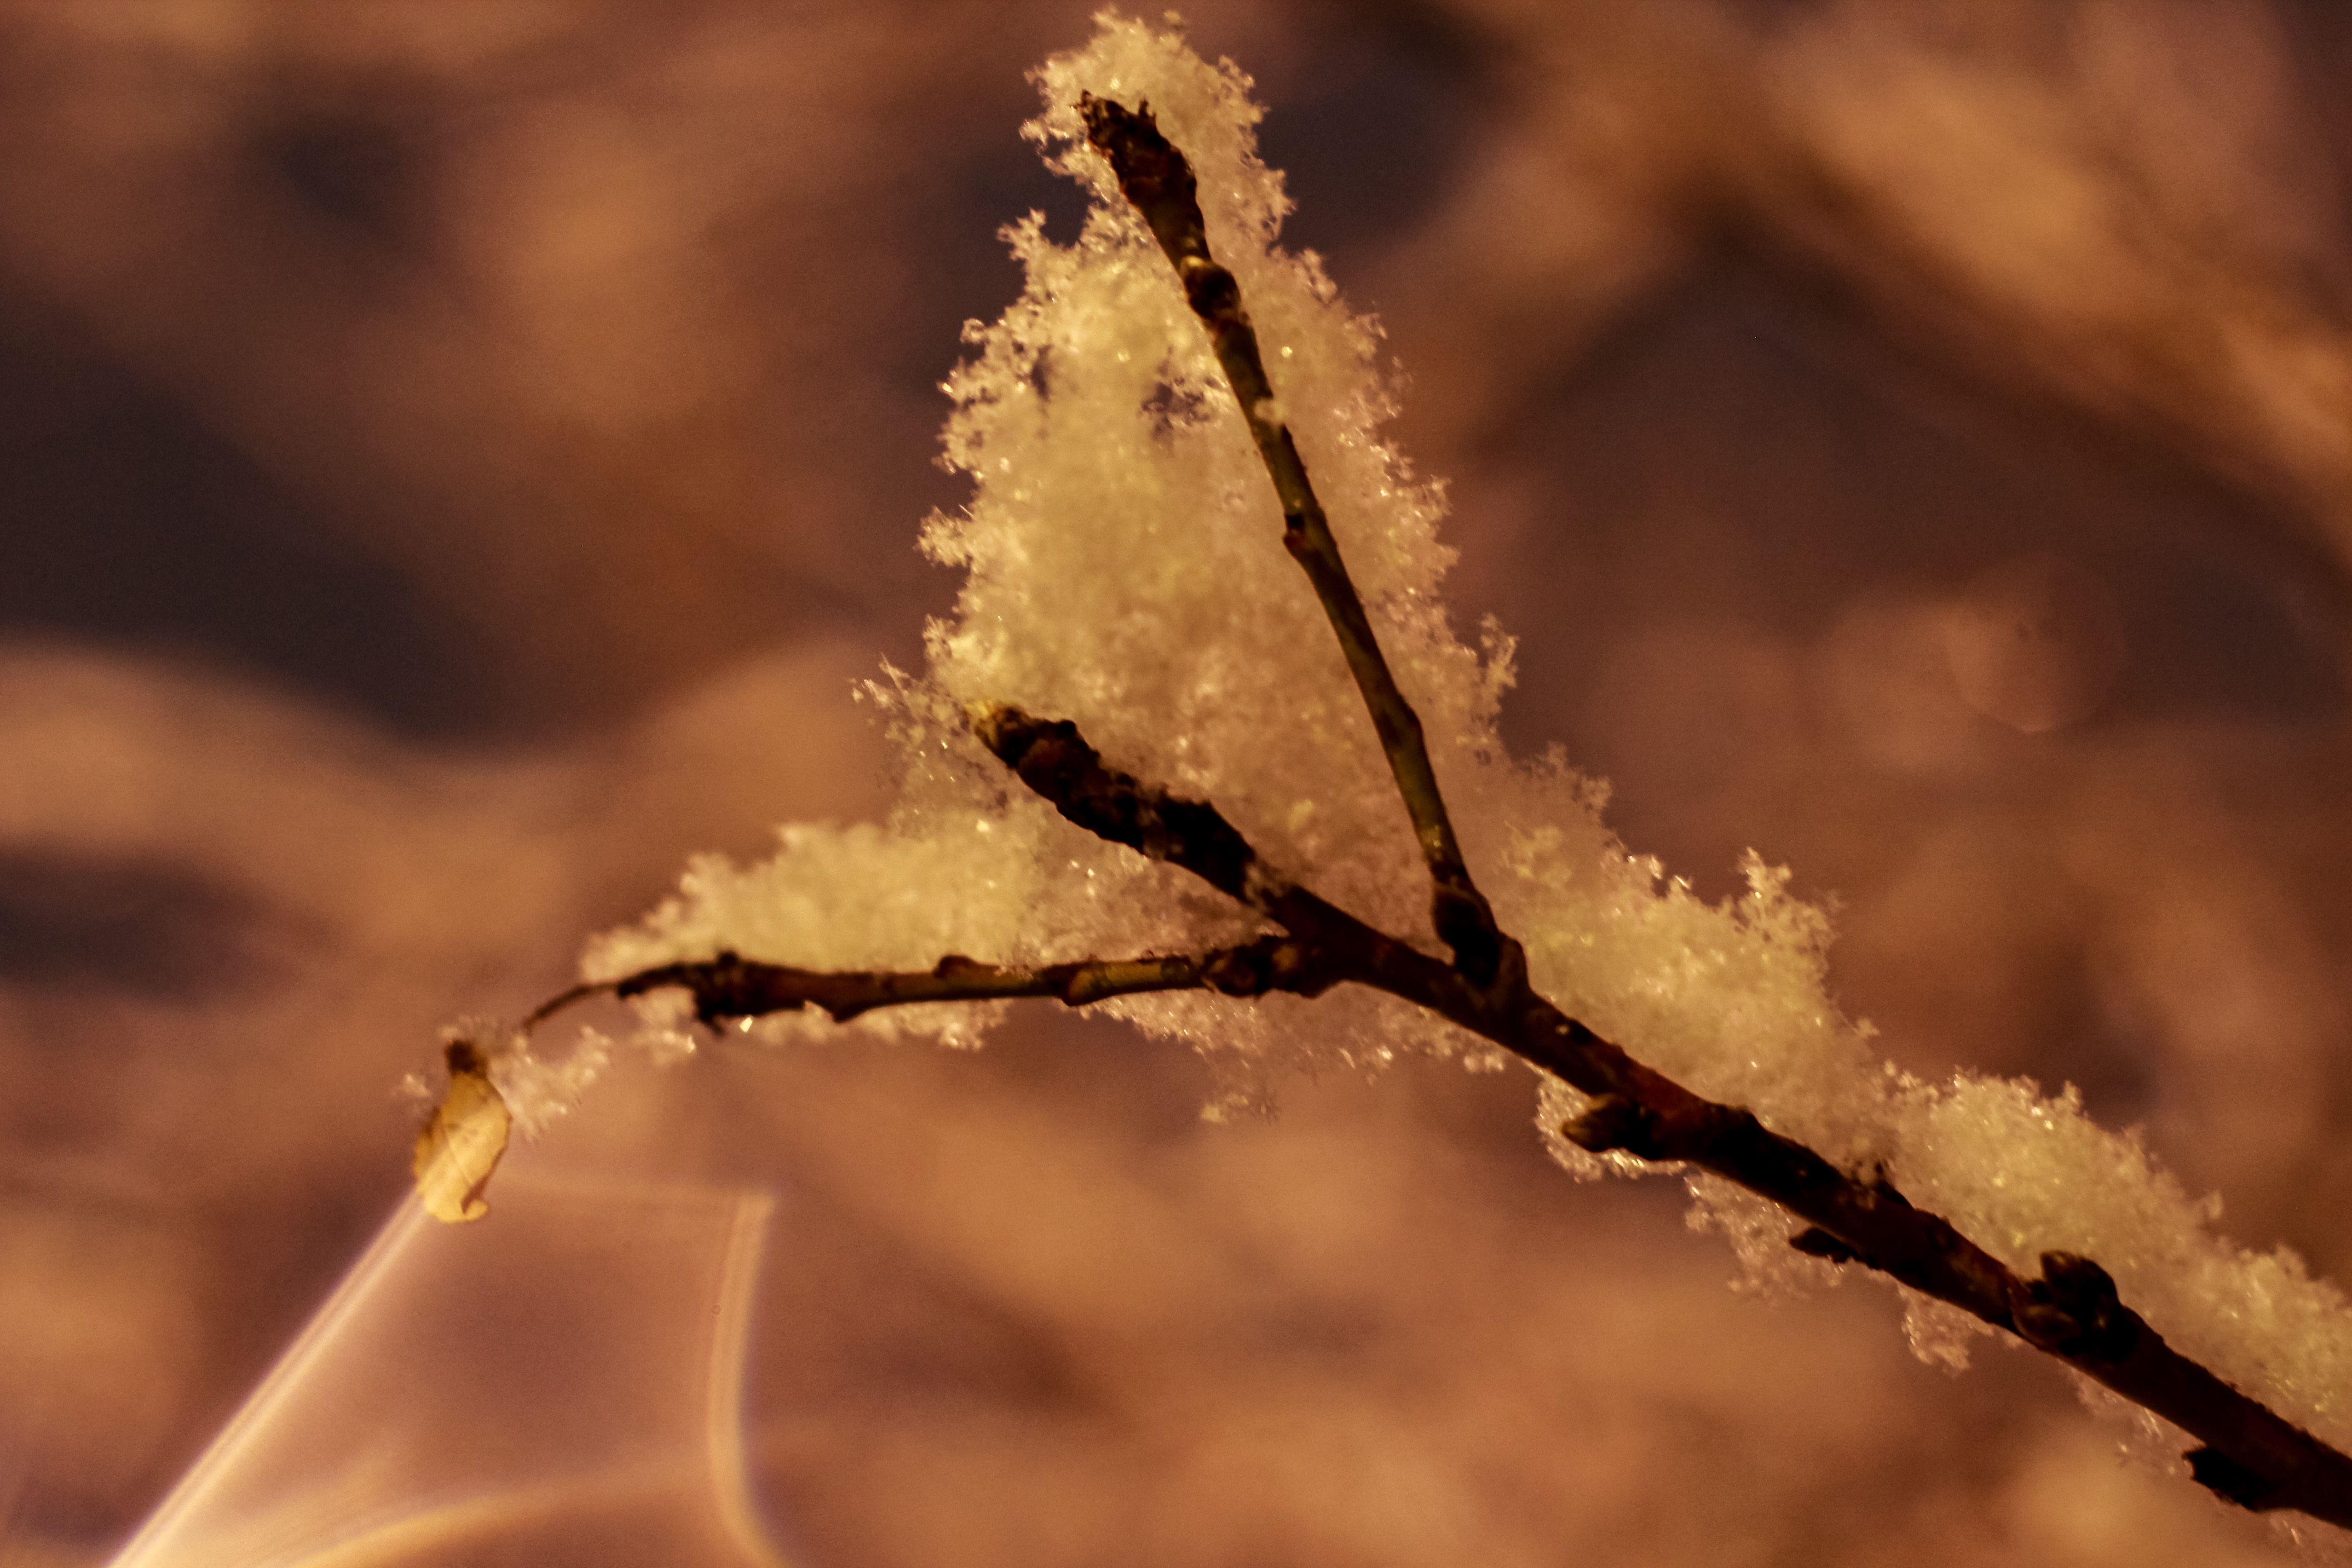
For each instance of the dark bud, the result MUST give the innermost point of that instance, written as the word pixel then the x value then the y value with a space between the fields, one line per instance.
pixel 1005 729
pixel 1613 1122
pixel 2072 1311
pixel 2228 1479
pixel 1269 964
pixel 1466 924
pixel 1152 175
pixel 1210 289
pixel 1815 1242
pixel 1054 760
pixel 722 991
pixel 1240 971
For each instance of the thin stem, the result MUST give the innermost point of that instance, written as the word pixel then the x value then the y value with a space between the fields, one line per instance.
pixel 730 987
pixel 1160 183
pixel 1054 760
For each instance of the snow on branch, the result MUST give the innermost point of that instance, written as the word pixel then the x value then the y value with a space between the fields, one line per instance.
pixel 1119 575
pixel 2248 1455
pixel 1155 177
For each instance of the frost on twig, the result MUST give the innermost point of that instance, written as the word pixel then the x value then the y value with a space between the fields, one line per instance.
pixel 1158 180
pixel 1120 578
pixel 730 988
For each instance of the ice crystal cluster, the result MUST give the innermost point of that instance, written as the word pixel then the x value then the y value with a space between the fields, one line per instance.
pixel 1125 569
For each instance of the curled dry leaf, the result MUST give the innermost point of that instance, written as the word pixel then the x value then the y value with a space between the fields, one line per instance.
pixel 461 1146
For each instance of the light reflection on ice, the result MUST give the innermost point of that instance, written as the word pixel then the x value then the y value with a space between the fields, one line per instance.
pixel 565 1385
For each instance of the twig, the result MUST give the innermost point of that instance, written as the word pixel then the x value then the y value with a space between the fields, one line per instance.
pixel 2249 1455
pixel 1159 181
pixel 730 987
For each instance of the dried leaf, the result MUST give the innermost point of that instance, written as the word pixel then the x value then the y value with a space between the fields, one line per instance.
pixel 459 1148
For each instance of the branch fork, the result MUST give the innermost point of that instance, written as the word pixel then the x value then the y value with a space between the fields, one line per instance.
pixel 2248 1454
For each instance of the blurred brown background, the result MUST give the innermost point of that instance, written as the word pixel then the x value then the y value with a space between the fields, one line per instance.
pixel 454 459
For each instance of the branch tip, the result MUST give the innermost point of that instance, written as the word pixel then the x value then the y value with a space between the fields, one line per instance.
pixel 1054 761
pixel 1152 175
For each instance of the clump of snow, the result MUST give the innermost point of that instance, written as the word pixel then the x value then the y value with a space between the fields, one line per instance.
pixel 1125 569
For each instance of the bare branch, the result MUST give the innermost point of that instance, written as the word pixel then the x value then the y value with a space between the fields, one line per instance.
pixel 2251 1455
pixel 730 987
pixel 1159 181
pixel 1054 761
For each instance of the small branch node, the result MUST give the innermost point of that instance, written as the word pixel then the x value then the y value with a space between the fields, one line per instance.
pixel 1466 924
pixel 2073 1311
pixel 1815 1242
pixel 724 989
pixel 1268 965
pixel 2228 1479
pixel 1613 1122
pixel 1054 760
